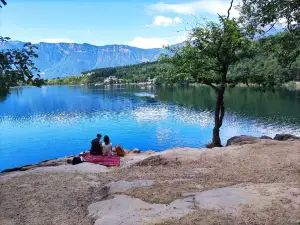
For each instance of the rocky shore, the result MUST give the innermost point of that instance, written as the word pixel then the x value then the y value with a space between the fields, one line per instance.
pixel 251 181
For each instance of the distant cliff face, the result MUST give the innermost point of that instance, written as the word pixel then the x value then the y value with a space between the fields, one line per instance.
pixel 64 59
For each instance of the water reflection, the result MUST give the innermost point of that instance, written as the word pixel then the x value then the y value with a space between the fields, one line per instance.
pixel 150 114
pixel 281 106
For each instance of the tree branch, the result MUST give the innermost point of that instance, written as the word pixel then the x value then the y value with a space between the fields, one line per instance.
pixel 221 17
pixel 228 12
pixel 3 2
pixel 271 27
pixel 211 85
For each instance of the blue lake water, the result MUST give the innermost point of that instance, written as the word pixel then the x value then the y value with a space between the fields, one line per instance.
pixel 54 121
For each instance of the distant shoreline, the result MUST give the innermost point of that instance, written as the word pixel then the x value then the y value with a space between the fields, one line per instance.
pixel 292 86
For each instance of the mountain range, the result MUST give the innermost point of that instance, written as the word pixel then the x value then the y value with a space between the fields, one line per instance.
pixel 66 59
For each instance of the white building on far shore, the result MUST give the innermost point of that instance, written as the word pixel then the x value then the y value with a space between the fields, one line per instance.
pixel 110 79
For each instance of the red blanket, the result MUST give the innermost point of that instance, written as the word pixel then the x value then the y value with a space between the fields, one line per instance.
pixel 102 160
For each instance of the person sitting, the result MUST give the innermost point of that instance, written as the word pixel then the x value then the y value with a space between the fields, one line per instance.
pixel 107 146
pixel 96 146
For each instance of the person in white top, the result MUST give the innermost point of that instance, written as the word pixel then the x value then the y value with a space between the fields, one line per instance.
pixel 106 146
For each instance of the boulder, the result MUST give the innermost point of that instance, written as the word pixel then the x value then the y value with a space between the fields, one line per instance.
pixel 240 140
pixel 210 145
pixel 285 137
pixel 136 150
pixel 266 137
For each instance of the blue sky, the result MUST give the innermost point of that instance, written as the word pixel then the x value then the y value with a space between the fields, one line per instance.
pixel 140 23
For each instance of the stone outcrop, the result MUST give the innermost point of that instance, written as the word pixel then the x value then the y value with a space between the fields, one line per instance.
pixel 240 140
pixel 266 137
pixel 245 139
pixel 285 137
pixel 136 150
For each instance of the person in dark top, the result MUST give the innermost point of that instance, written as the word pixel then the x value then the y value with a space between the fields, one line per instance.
pixel 96 146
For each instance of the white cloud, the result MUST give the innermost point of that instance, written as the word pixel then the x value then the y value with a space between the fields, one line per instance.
pixel 55 40
pixel 165 21
pixel 192 8
pixel 162 21
pixel 181 38
pixel 148 42
pixel 177 20
pixel 157 42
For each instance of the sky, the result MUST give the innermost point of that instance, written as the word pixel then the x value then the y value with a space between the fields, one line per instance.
pixel 139 23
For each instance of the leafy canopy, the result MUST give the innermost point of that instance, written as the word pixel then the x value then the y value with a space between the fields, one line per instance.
pixel 17 67
pixel 268 13
pixel 210 52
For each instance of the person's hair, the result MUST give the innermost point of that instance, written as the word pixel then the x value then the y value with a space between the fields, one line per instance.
pixel 106 139
pixel 99 135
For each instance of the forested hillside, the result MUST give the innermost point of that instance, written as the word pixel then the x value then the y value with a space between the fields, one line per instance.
pixel 271 60
pixel 128 74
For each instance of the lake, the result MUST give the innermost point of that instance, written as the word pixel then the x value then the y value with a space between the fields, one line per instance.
pixel 54 121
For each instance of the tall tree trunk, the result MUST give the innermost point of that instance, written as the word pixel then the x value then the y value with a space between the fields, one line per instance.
pixel 219 115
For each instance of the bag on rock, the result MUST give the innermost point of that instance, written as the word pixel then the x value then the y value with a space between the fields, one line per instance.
pixel 76 160
pixel 120 151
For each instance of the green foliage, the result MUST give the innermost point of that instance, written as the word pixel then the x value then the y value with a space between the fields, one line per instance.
pixel 268 13
pixel 17 67
pixel 69 80
pixel 212 50
pixel 128 74
pixel 270 65
pixel 266 64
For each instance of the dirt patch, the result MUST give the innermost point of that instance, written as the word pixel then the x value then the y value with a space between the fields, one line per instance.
pixel 56 198
pixel 271 216
pixel 123 186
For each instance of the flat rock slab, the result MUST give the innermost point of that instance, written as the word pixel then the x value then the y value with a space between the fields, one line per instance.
pixel 125 210
pixel 68 168
pixel 227 199
pixel 79 168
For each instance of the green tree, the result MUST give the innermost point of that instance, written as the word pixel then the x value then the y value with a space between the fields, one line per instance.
pixel 17 67
pixel 212 50
pixel 266 14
